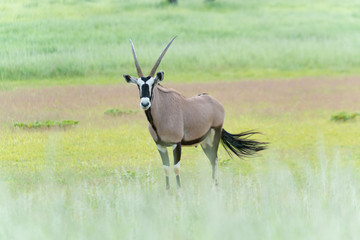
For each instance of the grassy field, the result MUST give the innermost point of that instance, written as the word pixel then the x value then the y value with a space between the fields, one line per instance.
pixel 280 67
pixel 87 41
pixel 103 177
pixel 266 205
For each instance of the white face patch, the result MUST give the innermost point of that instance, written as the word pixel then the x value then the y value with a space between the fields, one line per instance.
pixel 150 82
pixel 140 82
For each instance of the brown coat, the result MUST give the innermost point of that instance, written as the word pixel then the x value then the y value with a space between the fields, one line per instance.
pixel 180 119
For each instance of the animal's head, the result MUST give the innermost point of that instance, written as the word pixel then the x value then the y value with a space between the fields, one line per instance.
pixel 146 84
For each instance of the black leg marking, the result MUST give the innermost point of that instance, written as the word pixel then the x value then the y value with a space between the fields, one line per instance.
pixel 177 156
pixel 177 153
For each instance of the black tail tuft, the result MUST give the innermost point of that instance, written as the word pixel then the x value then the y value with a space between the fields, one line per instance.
pixel 240 145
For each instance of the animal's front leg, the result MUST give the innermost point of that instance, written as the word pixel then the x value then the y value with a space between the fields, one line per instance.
pixel 166 163
pixel 177 156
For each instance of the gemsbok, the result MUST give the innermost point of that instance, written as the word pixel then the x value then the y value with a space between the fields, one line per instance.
pixel 176 121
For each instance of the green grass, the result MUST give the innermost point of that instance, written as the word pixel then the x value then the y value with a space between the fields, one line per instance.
pixel 95 151
pixel 223 40
pixel 344 116
pixel 120 112
pixel 320 203
pixel 46 124
pixel 104 179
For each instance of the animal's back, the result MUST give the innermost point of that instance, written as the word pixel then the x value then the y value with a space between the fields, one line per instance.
pixel 185 119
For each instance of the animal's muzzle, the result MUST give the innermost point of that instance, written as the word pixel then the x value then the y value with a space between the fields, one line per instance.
pixel 145 103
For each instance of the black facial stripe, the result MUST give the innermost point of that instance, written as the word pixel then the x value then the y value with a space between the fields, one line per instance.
pixel 152 88
pixel 145 91
pixel 145 88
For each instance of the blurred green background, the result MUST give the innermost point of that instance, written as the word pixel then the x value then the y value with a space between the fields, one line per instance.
pixel 74 41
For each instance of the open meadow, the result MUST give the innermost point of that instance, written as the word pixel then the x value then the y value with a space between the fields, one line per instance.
pixel 279 67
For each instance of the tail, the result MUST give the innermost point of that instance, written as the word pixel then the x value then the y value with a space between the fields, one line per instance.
pixel 240 145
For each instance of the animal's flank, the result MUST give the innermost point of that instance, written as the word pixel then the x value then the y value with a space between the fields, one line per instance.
pixel 240 145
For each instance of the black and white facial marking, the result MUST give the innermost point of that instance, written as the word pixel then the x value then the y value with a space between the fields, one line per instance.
pixel 146 86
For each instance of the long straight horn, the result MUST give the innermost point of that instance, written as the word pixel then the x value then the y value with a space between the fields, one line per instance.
pixel 138 68
pixel 152 73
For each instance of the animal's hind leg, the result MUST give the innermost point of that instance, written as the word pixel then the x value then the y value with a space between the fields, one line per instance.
pixel 177 156
pixel 166 164
pixel 210 147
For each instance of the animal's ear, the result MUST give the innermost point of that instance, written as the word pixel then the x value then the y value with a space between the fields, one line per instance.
pixel 159 76
pixel 130 79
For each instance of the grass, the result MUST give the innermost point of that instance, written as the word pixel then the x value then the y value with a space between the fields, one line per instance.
pixel 344 116
pixel 119 112
pixel 321 203
pixel 227 40
pixel 93 152
pixel 47 124
pixel 104 179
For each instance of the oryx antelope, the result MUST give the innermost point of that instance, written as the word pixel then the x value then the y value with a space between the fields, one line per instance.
pixel 176 121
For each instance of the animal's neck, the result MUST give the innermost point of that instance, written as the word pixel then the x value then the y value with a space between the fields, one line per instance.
pixel 163 100
pixel 149 112
pixel 150 118
pixel 157 97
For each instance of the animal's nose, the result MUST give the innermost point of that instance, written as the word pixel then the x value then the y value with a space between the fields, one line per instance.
pixel 144 104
